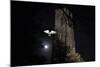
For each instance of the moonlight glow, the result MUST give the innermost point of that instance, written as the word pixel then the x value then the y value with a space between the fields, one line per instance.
pixel 45 46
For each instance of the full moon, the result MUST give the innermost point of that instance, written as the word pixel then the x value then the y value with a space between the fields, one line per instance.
pixel 46 47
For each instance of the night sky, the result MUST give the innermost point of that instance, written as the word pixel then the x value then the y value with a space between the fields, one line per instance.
pixel 28 20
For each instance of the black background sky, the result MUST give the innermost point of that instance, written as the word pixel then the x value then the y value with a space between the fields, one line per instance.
pixel 28 20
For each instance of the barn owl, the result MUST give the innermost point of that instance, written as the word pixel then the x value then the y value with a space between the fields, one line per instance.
pixel 49 32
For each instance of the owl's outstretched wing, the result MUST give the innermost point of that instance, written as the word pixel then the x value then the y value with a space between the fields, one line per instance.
pixel 53 32
pixel 46 31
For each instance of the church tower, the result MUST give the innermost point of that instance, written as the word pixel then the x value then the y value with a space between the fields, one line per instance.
pixel 65 33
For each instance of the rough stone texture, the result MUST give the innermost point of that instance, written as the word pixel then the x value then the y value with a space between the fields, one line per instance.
pixel 65 33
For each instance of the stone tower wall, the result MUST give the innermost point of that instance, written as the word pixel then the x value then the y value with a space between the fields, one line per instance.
pixel 65 33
